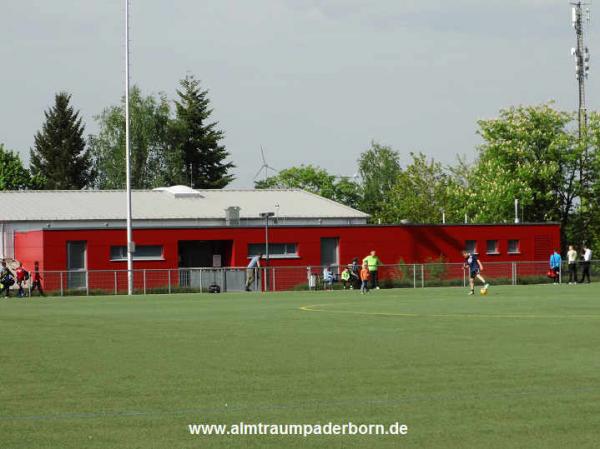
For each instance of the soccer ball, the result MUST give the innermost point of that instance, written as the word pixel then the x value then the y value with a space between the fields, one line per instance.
pixel 483 291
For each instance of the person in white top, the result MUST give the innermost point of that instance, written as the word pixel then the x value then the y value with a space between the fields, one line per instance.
pixel 251 270
pixel 327 278
pixel 587 259
pixel 572 259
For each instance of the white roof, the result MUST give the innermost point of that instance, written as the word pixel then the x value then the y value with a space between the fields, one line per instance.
pixel 171 203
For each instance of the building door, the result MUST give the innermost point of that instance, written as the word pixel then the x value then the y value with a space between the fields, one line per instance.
pixel 330 252
pixel 204 254
pixel 76 265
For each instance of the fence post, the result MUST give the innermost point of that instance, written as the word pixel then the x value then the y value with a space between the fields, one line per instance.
pixel 273 285
pixel 514 274
pixel 560 274
pixel 265 280
pixel 464 277
pixel 144 278
pixel 414 275
pixel 169 280
pixel 87 284
pixel 200 277
pixel 422 275
pixel 62 290
pixel 116 287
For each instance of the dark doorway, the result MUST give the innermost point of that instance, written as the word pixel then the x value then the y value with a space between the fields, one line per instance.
pixel 330 252
pixel 204 253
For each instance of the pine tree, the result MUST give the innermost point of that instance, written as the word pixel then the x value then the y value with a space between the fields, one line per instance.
pixel 59 154
pixel 198 141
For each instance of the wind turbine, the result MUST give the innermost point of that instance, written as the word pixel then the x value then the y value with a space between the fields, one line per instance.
pixel 265 166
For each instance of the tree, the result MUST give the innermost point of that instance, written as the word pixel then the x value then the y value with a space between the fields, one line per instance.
pixel 152 162
pixel 378 168
pixel 315 180
pixel 531 154
pixel 198 140
pixel 13 176
pixel 59 154
pixel 420 194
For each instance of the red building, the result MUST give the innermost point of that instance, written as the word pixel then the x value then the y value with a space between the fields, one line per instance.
pixel 178 228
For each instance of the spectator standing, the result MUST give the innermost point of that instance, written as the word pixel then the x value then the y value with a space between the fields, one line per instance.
pixel 555 262
pixel 365 273
pixel 373 262
pixel 22 275
pixel 587 260
pixel 572 260
pixel 37 279
pixel 251 269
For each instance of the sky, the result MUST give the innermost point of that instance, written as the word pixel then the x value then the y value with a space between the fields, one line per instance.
pixel 312 81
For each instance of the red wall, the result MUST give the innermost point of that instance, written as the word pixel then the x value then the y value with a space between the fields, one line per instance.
pixel 411 243
pixel 29 248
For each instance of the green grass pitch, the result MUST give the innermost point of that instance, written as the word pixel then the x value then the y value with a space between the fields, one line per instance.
pixel 519 368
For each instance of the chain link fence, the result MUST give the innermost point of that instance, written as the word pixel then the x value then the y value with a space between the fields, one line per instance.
pixel 231 279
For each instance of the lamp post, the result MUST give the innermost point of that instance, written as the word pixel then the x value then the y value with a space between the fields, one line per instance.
pixel 130 243
pixel 266 216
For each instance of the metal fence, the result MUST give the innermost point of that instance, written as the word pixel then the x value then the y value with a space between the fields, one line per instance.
pixel 231 279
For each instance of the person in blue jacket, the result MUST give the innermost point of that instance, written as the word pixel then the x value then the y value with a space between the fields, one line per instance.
pixel 555 262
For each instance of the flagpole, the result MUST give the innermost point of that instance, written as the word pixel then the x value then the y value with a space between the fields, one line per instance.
pixel 130 245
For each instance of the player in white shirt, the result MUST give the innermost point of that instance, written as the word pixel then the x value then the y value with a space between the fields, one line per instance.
pixel 587 259
pixel 572 259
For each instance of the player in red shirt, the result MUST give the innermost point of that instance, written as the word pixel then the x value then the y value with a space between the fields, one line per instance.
pixel 37 279
pixel 22 275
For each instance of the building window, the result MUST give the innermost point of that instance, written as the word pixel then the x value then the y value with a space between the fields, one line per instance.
pixel 143 252
pixel 276 250
pixel 492 247
pixel 513 247
pixel 471 246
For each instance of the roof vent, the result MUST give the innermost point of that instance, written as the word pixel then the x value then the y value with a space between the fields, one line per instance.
pixel 180 191
pixel 232 216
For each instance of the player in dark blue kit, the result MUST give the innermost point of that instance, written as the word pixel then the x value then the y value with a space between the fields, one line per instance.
pixel 475 267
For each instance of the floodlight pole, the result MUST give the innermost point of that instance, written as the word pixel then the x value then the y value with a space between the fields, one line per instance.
pixel 266 216
pixel 582 58
pixel 582 67
pixel 130 244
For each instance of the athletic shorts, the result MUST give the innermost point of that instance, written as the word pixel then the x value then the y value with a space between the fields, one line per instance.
pixel 474 273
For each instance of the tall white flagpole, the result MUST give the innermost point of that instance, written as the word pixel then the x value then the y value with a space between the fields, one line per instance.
pixel 130 245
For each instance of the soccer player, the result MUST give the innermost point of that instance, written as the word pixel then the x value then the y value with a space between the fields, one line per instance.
pixel 555 263
pixel 37 279
pixel 327 278
pixel 587 260
pixel 475 267
pixel 346 278
pixel 373 261
pixel 365 273
pixel 22 276
pixel 572 259
pixel 6 279
pixel 355 273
